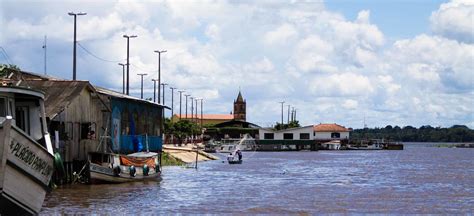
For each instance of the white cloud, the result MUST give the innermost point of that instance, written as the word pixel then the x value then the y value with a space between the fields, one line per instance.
pixel 455 20
pixel 280 35
pixel 350 104
pixel 345 84
pixel 330 68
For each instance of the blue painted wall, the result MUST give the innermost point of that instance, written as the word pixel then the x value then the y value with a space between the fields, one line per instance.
pixel 135 126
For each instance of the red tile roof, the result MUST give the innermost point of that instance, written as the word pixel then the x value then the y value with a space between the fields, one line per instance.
pixel 329 128
pixel 209 116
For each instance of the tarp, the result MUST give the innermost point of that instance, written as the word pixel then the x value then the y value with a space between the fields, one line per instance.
pixel 137 161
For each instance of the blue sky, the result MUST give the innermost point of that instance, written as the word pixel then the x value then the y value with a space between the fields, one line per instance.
pixel 391 62
pixel 396 19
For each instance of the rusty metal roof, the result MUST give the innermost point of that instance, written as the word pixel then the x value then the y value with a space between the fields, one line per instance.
pixel 127 97
pixel 58 93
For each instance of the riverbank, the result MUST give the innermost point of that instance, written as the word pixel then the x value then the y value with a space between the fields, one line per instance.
pixel 186 154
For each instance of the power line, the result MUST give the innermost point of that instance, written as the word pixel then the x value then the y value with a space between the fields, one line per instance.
pixel 97 57
pixel 149 71
pixel 5 54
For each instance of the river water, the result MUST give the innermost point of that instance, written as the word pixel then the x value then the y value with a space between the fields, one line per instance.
pixel 418 179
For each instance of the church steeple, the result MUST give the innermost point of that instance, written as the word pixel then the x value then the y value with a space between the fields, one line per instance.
pixel 240 98
pixel 240 108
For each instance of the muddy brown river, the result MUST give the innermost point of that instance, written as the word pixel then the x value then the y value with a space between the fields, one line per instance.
pixel 419 179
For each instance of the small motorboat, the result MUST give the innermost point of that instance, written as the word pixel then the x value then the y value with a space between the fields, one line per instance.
pixel 118 168
pixel 235 162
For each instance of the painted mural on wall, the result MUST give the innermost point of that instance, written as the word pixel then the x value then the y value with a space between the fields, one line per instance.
pixel 135 126
pixel 116 130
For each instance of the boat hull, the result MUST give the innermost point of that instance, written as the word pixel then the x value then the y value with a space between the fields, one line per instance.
pixel 105 175
pixel 25 171
pixel 116 168
pixel 235 162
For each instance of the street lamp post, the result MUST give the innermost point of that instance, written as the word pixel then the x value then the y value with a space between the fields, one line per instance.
pixel 172 101
pixel 292 114
pixel 142 74
pixel 186 107
pixel 180 93
pixel 74 45
pixel 192 109
pixel 159 72
pixel 123 77
pixel 154 89
pixel 164 84
pixel 128 60
pixel 201 112
pixel 282 113
pixel 196 113
pixel 288 114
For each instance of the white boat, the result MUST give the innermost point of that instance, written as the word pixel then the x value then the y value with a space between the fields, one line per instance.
pixel 118 168
pixel 374 144
pixel 26 153
pixel 247 143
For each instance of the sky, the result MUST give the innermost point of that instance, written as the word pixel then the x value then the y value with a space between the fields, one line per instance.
pixel 395 62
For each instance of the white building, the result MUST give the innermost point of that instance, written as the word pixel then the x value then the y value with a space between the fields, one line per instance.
pixel 301 133
pixel 330 132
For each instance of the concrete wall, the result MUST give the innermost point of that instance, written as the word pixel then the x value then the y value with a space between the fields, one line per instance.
pixel 279 135
pixel 327 135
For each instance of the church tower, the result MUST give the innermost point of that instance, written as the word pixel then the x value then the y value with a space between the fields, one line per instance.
pixel 240 108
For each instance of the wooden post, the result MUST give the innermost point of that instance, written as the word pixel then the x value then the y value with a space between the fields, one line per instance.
pixel 197 154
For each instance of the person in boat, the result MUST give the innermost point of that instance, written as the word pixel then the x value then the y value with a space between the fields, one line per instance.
pixel 230 157
pixel 239 153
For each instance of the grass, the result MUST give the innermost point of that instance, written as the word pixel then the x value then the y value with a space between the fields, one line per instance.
pixel 168 160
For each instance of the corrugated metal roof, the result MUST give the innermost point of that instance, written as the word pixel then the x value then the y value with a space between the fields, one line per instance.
pixel 58 94
pixel 128 97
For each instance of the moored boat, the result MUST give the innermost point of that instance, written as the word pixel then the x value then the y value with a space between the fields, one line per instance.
pixel 246 143
pixel 26 153
pixel 118 168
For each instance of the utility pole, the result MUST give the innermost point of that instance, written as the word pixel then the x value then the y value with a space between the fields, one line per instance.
pixel 295 114
pixel 128 61
pixel 201 113
pixel 142 74
pixel 123 77
pixel 45 52
pixel 288 114
pixel 196 113
pixel 164 84
pixel 159 72
pixel 180 94
pixel 154 89
pixel 172 101
pixel 186 107
pixel 192 109
pixel 292 114
pixel 282 113
pixel 74 45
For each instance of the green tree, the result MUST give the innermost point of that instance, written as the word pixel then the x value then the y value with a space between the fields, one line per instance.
pixel 4 72
pixel 292 124
pixel 181 129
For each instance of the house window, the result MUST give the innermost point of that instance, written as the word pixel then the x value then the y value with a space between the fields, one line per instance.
pixel 335 135
pixel 268 136
pixel 3 112
pixel 304 136
pixel 23 118
pixel 288 136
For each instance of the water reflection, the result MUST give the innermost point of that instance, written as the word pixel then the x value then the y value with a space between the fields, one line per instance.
pixel 416 180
